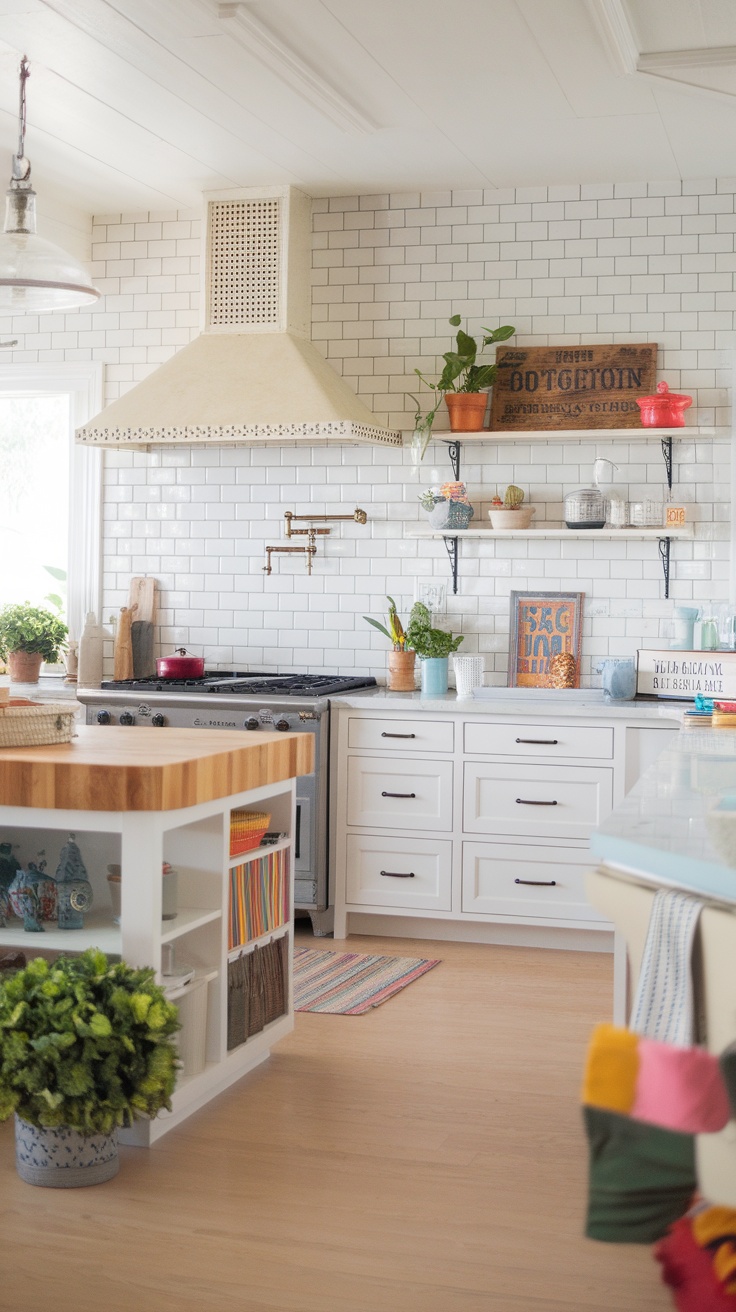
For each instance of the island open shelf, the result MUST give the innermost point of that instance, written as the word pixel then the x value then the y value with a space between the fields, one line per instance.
pixel 173 794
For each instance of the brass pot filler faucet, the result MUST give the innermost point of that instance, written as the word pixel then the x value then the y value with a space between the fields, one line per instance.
pixel 311 534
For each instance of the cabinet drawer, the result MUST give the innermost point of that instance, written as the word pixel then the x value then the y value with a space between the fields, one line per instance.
pixel 565 800
pixel 550 741
pixel 417 735
pixel 491 872
pixel 399 794
pixel 399 872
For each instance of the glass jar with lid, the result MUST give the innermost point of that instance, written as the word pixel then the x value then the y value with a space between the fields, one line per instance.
pixel 586 507
pixel 646 512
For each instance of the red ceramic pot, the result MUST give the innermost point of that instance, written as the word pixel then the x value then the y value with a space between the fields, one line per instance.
pixel 665 410
pixel 180 666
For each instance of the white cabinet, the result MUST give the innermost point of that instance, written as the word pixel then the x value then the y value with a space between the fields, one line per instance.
pixel 476 817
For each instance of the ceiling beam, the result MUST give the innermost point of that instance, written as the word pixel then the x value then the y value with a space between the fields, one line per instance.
pixel 272 51
pixel 615 27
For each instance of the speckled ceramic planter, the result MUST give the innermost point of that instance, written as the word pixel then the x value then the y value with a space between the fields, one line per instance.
pixel 61 1158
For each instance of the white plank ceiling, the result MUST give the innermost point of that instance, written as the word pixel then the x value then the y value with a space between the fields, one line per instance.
pixel 145 104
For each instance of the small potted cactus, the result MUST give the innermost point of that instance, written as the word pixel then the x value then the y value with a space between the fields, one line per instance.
pixel 511 512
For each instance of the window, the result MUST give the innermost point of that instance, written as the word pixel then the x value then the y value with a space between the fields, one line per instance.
pixel 49 489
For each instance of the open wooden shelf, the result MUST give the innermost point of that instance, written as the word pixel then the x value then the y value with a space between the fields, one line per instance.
pixel 575 434
pixel 555 531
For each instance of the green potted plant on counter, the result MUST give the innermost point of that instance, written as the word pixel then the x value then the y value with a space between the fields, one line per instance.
pixel 433 647
pixel 463 385
pixel 86 1046
pixel 29 635
pixel 401 658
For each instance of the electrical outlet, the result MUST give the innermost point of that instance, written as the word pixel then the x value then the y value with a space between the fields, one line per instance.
pixel 433 594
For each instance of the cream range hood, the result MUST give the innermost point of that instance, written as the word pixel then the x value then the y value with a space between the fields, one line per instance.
pixel 252 375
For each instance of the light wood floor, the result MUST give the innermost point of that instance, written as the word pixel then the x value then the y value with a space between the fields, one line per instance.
pixel 427 1157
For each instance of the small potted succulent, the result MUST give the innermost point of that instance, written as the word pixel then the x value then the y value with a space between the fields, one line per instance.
pixel 511 511
pixel 86 1046
pixel 447 506
pixel 433 647
pixel 462 385
pixel 29 635
pixel 401 658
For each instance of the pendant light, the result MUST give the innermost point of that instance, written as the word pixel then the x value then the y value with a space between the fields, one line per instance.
pixel 35 275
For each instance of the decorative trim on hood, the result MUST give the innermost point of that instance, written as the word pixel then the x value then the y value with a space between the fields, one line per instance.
pixel 257 434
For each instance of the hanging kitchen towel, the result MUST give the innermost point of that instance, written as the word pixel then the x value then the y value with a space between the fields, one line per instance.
pixel 664 1007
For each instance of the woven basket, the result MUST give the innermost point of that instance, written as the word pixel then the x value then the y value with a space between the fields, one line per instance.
pixel 35 724
pixel 247 829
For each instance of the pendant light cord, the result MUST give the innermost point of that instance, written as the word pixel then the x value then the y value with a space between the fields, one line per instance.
pixel 21 166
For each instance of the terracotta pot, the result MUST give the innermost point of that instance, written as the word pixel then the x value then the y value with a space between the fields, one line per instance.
pixel 24 666
pixel 467 411
pixel 401 671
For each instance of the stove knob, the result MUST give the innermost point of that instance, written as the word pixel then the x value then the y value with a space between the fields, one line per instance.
pixel 127 718
pixel 158 721
pixel 252 722
pixel 103 717
pixel 282 725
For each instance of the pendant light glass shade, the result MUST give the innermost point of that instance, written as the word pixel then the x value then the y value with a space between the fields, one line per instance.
pixel 35 275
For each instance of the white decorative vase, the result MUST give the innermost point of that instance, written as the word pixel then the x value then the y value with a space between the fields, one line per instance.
pixel 60 1158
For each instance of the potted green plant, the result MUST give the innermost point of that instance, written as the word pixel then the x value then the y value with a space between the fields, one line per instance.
pixel 433 647
pixel 462 385
pixel 29 635
pixel 86 1046
pixel 401 658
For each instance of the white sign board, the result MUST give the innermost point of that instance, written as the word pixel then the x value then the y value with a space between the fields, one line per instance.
pixel 683 674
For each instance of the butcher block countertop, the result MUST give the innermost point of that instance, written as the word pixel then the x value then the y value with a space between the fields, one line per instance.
pixel 114 768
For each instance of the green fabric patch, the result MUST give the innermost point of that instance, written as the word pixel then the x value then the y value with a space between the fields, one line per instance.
pixel 641 1178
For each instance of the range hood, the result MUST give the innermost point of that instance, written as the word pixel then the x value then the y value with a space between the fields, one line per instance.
pixel 252 375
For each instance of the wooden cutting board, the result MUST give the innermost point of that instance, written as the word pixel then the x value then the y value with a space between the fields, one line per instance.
pixel 143 595
pixel 123 667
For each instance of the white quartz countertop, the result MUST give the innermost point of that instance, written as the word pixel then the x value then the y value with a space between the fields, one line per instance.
pixel 678 823
pixel 578 702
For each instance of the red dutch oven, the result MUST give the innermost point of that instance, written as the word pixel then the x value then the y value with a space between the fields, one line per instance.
pixel 180 666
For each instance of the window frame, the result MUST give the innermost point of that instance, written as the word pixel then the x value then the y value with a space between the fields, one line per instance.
pixel 82 382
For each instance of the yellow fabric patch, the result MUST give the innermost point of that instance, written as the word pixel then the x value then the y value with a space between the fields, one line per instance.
pixel 717 1226
pixel 611 1069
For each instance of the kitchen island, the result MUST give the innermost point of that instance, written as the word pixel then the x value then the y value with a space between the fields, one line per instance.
pixel 140 801
pixel 677 829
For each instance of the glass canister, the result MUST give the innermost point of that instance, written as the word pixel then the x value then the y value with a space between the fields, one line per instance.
pixel 585 508
pixel 646 512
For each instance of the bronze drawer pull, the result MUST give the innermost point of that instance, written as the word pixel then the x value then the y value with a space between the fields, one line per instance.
pixel 539 742
pixel 398 735
pixel 398 794
pixel 538 883
pixel 523 801
pixel 397 874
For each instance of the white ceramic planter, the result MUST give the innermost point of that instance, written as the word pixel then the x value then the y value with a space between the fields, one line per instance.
pixel 61 1158
pixel 520 518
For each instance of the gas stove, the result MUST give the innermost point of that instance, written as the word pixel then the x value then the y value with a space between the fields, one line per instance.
pixel 252 701
pixel 237 682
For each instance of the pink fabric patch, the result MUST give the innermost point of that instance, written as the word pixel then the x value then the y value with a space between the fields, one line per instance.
pixel 680 1089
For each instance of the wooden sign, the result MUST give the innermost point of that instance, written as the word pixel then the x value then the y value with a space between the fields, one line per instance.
pixel 543 625
pixel 684 674
pixel 553 387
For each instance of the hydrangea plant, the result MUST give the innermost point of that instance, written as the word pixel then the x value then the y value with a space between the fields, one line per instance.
pixel 31 628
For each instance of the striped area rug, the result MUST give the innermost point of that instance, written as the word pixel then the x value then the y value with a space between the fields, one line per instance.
pixel 350 983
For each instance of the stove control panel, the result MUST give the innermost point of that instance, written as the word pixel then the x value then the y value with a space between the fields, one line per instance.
pixel 282 719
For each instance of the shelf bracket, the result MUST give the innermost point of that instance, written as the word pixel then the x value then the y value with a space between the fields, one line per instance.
pixel 451 549
pixel 453 451
pixel 664 554
pixel 667 457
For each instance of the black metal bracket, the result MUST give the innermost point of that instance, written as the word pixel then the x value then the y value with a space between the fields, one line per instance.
pixel 667 455
pixel 664 555
pixel 453 451
pixel 451 549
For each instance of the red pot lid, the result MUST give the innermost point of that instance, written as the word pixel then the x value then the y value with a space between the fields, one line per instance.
pixel 666 398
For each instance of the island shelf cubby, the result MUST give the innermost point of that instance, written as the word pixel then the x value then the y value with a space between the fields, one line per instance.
pixel 195 840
